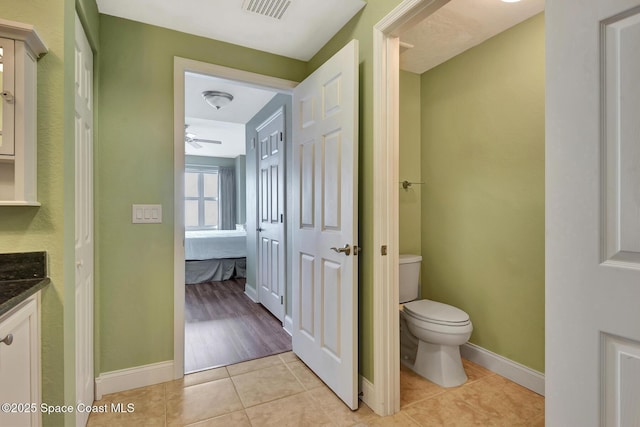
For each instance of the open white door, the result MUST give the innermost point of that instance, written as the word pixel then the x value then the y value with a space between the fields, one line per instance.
pixel 271 247
pixel 592 213
pixel 83 221
pixel 325 230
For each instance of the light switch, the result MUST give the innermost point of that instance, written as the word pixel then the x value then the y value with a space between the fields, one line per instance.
pixel 146 214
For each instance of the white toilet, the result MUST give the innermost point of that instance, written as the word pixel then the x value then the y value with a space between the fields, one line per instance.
pixel 431 333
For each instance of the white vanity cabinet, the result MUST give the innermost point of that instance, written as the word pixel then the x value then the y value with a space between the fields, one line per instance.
pixel 20 48
pixel 20 365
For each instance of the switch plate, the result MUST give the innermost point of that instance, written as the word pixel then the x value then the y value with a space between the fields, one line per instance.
pixel 146 214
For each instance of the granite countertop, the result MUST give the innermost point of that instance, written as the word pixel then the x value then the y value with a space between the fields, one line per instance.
pixel 21 275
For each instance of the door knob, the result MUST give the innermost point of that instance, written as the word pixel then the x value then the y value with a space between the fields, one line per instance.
pixel 346 250
pixel 8 340
pixel 259 229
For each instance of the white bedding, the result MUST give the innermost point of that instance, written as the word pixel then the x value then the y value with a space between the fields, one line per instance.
pixel 215 244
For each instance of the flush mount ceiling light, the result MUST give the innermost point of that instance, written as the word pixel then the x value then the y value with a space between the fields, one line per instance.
pixel 216 98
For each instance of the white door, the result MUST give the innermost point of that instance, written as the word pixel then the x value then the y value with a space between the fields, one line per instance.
pixel 593 213
pixel 84 221
pixel 325 191
pixel 271 247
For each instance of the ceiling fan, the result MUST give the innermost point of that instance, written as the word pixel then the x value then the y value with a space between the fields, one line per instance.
pixel 193 140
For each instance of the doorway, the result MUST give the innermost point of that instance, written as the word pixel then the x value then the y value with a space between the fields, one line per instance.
pixel 207 316
pixel 388 50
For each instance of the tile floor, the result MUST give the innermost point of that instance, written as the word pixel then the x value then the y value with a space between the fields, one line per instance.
pixel 281 391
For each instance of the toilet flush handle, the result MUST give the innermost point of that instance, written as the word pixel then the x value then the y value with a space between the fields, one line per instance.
pixel 346 250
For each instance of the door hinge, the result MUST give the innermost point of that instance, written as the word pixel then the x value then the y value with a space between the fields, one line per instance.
pixel 383 250
pixel 281 217
pixel 281 299
pixel 281 136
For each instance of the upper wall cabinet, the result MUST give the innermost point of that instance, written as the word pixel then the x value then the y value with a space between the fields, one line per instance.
pixel 20 48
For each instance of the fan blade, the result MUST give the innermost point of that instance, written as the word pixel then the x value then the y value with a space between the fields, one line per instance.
pixel 193 143
pixel 207 141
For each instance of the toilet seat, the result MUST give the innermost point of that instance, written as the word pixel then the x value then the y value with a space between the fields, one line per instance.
pixel 437 313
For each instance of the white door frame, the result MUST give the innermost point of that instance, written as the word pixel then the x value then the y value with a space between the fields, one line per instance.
pixel 180 66
pixel 386 69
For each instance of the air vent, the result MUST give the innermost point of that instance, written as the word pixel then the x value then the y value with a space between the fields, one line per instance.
pixel 271 8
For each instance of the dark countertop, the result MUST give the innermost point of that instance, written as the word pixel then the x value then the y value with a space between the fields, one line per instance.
pixel 21 275
pixel 14 292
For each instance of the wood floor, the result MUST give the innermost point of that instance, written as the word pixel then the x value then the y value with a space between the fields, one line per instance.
pixel 223 326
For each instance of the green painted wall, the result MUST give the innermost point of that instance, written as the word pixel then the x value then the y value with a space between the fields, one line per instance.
pixel 410 208
pixel 135 165
pixel 483 202
pixel 361 28
pixel 51 226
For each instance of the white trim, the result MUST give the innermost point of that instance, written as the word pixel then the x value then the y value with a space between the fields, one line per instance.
pixel 251 293
pixel 127 379
pixel 519 374
pixel 180 67
pixel 367 394
pixel 386 346
pixel 288 324
pixel 25 32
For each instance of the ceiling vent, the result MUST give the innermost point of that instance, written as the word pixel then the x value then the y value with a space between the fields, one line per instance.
pixel 271 8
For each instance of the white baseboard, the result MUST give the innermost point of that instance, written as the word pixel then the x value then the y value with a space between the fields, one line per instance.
pixel 367 395
pixel 519 374
pixel 250 292
pixel 288 325
pixel 127 379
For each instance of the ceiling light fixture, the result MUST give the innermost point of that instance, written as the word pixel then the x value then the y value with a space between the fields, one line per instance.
pixel 510 1
pixel 216 98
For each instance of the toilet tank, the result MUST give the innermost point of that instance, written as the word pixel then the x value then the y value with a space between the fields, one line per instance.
pixel 409 282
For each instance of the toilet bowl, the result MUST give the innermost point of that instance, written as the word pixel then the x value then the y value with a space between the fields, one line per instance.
pixel 431 332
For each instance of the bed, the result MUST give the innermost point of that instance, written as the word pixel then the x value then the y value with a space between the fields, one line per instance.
pixel 214 255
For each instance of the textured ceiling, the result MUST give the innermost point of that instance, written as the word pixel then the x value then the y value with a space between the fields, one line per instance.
pixel 460 25
pixel 305 27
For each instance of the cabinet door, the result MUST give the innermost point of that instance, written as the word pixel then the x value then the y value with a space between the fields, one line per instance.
pixel 16 366
pixel 6 102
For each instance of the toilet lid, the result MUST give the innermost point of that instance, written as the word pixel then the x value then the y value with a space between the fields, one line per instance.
pixel 436 312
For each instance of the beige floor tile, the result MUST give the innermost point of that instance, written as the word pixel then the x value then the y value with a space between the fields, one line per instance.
pixel 205 376
pixel 536 422
pixel 474 371
pixel 305 375
pixel 397 420
pixel 234 419
pixel 147 408
pixel 294 411
pixel 414 388
pixel 446 410
pixel 201 401
pixel 196 378
pixel 254 365
pixel 337 411
pixel 502 401
pixel 265 385
pixel 289 356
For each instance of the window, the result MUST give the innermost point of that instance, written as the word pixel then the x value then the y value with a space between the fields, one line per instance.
pixel 201 199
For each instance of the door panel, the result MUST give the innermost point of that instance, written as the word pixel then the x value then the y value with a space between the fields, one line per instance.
pixel 271 253
pixel 325 281
pixel 83 221
pixel 592 204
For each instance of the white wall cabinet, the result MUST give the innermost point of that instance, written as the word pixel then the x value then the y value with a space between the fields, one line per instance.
pixel 20 365
pixel 20 48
